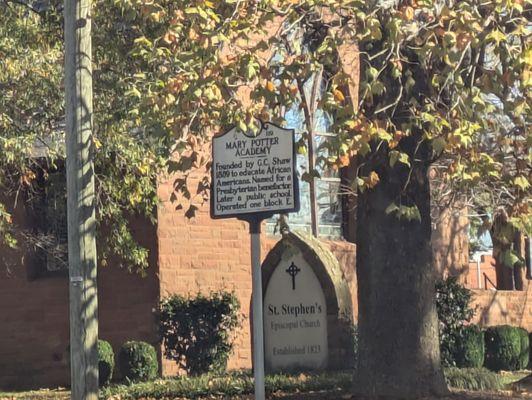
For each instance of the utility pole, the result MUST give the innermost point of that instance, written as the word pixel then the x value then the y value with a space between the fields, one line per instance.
pixel 81 202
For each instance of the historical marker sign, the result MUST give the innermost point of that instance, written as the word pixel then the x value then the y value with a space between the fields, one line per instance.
pixel 254 177
pixel 254 174
pixel 295 318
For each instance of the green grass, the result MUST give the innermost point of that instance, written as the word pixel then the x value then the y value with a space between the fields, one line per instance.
pixel 42 394
pixel 473 379
pixel 240 383
pixel 508 378
pixel 233 384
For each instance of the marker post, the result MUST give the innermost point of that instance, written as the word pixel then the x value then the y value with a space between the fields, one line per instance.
pixel 258 329
pixel 253 178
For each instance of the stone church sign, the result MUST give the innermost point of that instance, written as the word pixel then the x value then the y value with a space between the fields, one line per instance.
pixel 307 307
pixel 295 318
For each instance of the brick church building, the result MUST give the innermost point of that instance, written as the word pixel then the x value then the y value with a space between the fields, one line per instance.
pixel 191 255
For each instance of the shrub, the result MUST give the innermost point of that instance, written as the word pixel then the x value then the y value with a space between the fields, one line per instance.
pixel 197 332
pixel 106 362
pixel 524 355
pixel 470 349
pixel 503 348
pixel 473 379
pixel 453 303
pixel 137 361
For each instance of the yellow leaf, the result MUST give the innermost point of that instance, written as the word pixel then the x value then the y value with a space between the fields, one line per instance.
pixel 156 16
pixel 192 35
pixel 270 86
pixel 343 161
pixel 496 36
pixel 521 182
pixel 170 37
pixel 372 180
pixel 143 169
pixel 170 99
pixel 409 14
pixel 338 95
pixel 294 90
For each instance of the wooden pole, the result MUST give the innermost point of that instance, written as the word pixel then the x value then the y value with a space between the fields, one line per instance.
pixel 81 202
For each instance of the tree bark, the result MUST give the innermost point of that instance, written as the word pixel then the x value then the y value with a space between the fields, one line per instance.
pixel 519 269
pixel 503 274
pixel 502 236
pixel 399 354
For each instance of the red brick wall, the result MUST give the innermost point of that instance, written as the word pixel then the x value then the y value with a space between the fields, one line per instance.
pixel 202 254
pixel 34 330
pixel 500 307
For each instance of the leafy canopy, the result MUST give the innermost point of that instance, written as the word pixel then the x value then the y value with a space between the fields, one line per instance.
pixel 440 82
pixel 453 79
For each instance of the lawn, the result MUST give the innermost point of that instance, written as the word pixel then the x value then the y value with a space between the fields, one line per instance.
pixel 239 385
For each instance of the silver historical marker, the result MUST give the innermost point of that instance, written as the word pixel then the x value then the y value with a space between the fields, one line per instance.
pixel 254 177
pixel 254 174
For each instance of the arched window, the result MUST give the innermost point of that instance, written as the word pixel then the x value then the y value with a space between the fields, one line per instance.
pixel 321 205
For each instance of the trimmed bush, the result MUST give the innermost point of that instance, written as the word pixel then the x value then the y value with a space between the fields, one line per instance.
pixel 453 303
pixel 197 332
pixel 106 362
pixel 524 356
pixel 137 361
pixel 503 348
pixel 470 349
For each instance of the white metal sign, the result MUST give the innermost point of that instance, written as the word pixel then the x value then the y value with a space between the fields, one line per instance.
pixel 254 177
pixel 254 174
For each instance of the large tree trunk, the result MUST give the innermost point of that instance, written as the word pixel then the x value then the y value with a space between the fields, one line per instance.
pixel 503 274
pixel 399 355
pixel 502 234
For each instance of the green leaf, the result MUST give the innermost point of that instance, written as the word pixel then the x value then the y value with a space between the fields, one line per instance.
pixel 392 208
pixel 510 258
pixel 397 156
pixel 133 92
pixel 439 144
pixel 372 73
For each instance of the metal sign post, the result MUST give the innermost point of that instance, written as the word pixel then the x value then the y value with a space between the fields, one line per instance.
pixel 253 178
pixel 258 328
